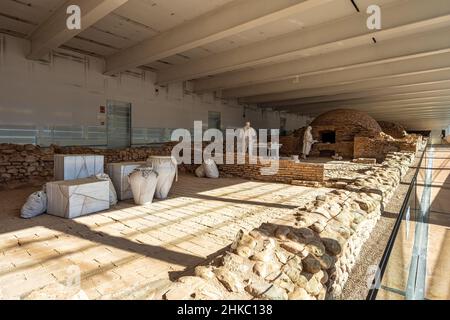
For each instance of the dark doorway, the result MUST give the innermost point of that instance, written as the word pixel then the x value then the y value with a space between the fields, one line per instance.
pixel 327 153
pixel 328 136
pixel 283 131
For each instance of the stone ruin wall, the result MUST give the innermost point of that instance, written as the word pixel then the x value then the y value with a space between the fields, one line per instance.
pixel 291 145
pixel 32 165
pixel 22 165
pixel 287 171
pixel 306 255
pixel 357 135
pixel 360 147
pixel 393 129
pixel 378 148
pixel 344 149
pixel 345 135
pixel 346 124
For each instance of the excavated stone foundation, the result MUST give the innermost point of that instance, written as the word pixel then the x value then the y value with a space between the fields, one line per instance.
pixel 308 254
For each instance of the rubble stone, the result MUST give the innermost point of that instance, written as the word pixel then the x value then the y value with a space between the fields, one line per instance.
pixel 230 280
pixel 311 261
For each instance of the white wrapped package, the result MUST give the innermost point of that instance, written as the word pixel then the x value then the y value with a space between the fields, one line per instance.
pixel 74 198
pixel 143 184
pixel 210 168
pixel 35 205
pixel 77 166
pixel 200 171
pixel 112 190
pixel 167 170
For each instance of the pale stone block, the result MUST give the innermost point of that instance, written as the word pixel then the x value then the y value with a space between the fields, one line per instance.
pixel 77 166
pixel 118 172
pixel 74 198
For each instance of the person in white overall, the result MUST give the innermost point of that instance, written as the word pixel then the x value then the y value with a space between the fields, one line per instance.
pixel 247 136
pixel 308 141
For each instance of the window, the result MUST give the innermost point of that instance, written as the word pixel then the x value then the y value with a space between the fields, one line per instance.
pixel 118 124
pixel 214 120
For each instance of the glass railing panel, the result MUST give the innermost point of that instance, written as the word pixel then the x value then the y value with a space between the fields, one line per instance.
pixel 398 267
pixel 396 275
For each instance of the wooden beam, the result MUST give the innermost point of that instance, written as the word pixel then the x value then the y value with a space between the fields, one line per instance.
pixel 53 32
pixel 230 19
pixel 399 19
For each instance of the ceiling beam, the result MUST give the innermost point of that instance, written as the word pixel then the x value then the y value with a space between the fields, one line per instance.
pixel 425 124
pixel 230 19
pixel 398 19
pixel 413 116
pixel 402 80
pixel 435 111
pixel 53 32
pixel 385 108
pixel 398 91
pixel 417 112
pixel 414 110
pixel 386 70
pixel 378 102
pixel 404 111
pixel 412 46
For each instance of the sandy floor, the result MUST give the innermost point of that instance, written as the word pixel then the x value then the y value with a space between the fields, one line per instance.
pixel 125 251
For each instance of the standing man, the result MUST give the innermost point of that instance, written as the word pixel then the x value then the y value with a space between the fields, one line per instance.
pixel 308 141
pixel 247 137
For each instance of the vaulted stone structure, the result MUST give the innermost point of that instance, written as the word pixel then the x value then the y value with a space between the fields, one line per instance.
pixel 336 131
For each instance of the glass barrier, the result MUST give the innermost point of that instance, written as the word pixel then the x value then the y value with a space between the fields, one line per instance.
pixel 95 136
pixel 399 269
pixel 18 134
pixel 144 136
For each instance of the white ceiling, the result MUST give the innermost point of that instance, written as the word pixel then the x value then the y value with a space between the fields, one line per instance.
pixel 303 59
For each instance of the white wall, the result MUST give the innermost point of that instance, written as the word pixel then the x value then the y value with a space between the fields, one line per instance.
pixel 70 89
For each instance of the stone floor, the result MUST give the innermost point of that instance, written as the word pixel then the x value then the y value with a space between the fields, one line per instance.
pixel 437 280
pixel 129 249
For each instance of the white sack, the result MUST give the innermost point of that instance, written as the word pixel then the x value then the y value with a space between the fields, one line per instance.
pixel 200 171
pixel 210 168
pixel 35 205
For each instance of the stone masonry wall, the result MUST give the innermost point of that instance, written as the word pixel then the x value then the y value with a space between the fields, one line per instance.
pixel 25 163
pixel 32 165
pixel 291 145
pixel 344 149
pixel 287 171
pixel 378 148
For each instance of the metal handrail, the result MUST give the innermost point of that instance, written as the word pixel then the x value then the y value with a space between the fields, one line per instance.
pixel 390 244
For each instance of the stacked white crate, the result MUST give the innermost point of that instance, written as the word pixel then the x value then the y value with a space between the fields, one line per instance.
pixel 77 191
pixel 77 166
pixel 74 198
